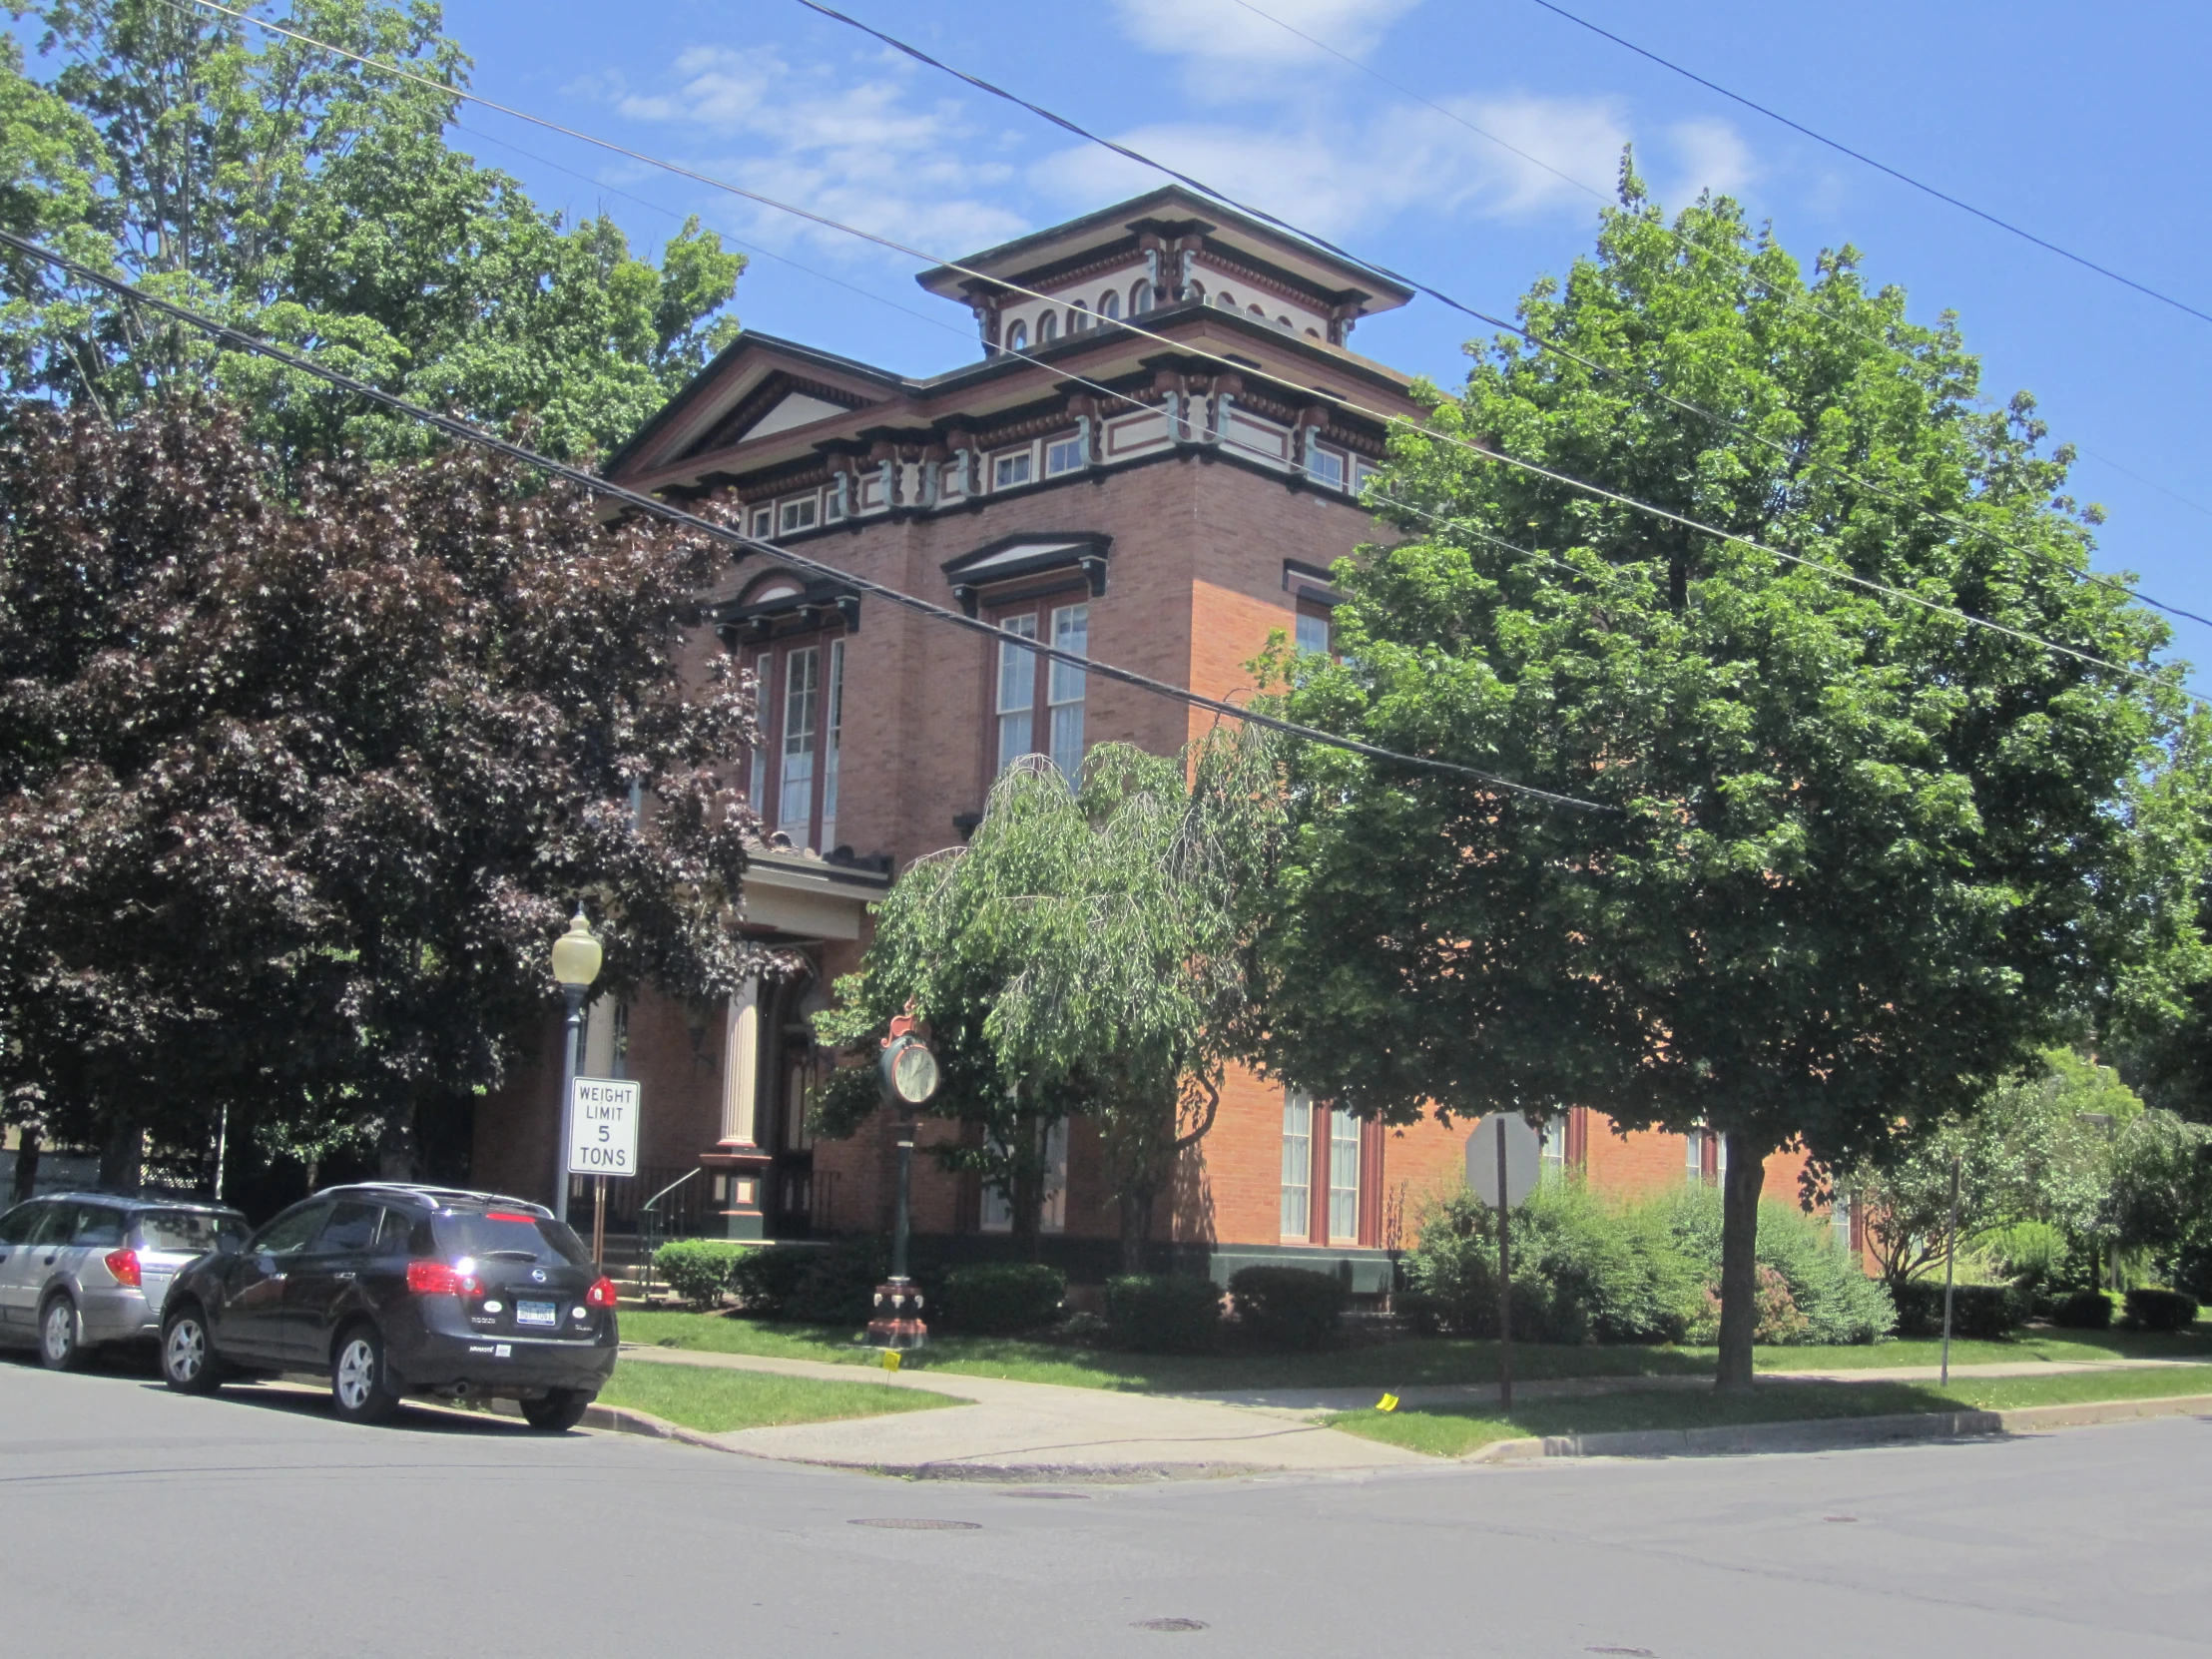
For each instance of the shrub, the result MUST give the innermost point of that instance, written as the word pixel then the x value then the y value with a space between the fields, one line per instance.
pixel 2082 1311
pixel 1840 1304
pixel 998 1299
pixel 1288 1307
pixel 698 1270
pixel 2155 1310
pixel 838 1286
pixel 1983 1312
pixel 766 1277
pixel 2032 1254
pixel 1162 1312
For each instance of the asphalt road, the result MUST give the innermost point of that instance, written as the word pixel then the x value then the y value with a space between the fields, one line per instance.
pixel 140 1523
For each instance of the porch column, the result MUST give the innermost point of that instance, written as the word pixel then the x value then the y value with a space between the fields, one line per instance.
pixel 737 1161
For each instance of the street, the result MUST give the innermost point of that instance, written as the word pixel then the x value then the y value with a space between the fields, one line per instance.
pixel 253 1524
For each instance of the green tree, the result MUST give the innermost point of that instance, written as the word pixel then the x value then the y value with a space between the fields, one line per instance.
pixel 2035 1149
pixel 1860 862
pixel 2160 1201
pixel 1085 953
pixel 297 784
pixel 317 201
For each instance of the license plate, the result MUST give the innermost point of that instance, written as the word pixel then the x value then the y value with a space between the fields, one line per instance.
pixel 537 1313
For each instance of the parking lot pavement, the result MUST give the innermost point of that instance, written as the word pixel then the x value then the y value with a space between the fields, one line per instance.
pixel 254 1525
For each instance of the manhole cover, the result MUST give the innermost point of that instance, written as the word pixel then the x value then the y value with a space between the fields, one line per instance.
pixel 1171 1624
pixel 918 1524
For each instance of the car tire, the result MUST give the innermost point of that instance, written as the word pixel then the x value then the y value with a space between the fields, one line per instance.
pixel 61 1334
pixel 189 1362
pixel 558 1412
pixel 360 1383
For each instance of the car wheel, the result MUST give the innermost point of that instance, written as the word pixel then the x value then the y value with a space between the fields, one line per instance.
pixel 189 1364
pixel 559 1412
pixel 60 1335
pixel 360 1387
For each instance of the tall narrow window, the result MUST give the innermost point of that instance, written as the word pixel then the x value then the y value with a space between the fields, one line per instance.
pixel 1071 632
pixel 1017 338
pixel 1298 1165
pixel 1079 317
pixel 764 694
pixel 1343 1176
pixel 1109 305
pixel 795 787
pixel 829 745
pixel 1555 1147
pixel 1313 629
pixel 1018 690
pixel 1140 298
pixel 1052 1214
pixel 1048 328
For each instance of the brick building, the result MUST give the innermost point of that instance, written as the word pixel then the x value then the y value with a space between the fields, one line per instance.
pixel 1116 494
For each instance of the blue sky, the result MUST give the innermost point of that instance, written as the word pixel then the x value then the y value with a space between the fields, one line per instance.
pixel 2086 131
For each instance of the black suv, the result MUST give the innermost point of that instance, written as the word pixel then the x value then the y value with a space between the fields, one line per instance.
pixel 390 1290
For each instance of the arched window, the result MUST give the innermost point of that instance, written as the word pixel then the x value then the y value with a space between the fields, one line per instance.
pixel 1260 312
pixel 1079 317
pixel 1017 338
pixel 1286 325
pixel 1226 300
pixel 1109 307
pixel 1048 328
pixel 1313 333
pixel 1140 298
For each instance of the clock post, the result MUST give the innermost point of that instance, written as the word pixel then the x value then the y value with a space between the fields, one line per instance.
pixel 908 1074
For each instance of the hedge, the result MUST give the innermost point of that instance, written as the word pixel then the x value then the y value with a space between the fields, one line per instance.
pixel 1291 1307
pixel 1981 1312
pixel 699 1269
pixel 2083 1311
pixel 1161 1313
pixel 999 1299
pixel 2149 1309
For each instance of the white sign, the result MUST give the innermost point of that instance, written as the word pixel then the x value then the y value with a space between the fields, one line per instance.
pixel 603 1127
pixel 1525 1150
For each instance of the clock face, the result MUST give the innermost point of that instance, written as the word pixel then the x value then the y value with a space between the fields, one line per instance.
pixel 914 1073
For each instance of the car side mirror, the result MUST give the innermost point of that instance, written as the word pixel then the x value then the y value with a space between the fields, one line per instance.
pixel 226 1245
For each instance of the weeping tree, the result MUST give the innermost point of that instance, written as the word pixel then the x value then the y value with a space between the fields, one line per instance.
pixel 1085 954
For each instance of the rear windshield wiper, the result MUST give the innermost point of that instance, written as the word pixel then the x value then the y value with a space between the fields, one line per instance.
pixel 508 1256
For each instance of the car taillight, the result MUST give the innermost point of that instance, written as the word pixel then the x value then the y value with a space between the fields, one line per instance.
pixel 440 1279
pixel 124 1264
pixel 601 1293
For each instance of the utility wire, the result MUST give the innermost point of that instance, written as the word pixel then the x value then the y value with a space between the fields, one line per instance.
pixel 453 426
pixel 1840 147
pixel 1190 348
pixel 1602 370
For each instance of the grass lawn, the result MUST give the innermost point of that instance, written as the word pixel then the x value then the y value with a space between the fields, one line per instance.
pixel 715 1402
pixel 1445 1432
pixel 1418 1360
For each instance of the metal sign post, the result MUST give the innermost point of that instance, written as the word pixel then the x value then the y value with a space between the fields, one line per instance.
pixel 1504 1156
pixel 603 1115
pixel 1950 1254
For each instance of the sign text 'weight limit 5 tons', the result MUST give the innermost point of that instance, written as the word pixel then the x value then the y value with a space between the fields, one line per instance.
pixel 603 1119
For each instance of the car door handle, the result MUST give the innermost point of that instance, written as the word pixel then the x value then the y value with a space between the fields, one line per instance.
pixel 50 1260
pixel 346 1275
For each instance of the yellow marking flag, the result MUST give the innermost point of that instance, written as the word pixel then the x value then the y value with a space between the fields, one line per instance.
pixel 1388 1403
pixel 890 1359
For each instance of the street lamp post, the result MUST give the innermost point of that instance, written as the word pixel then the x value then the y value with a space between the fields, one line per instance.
pixel 908 1077
pixel 575 966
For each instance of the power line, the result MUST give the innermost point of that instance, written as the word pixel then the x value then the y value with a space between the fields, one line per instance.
pixel 453 426
pixel 1687 405
pixel 1191 349
pixel 1840 147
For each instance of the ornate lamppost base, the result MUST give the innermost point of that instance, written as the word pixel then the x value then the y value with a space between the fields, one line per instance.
pixel 897 1323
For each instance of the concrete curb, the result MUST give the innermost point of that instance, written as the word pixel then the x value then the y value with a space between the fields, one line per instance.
pixel 623 1419
pixel 1837 1434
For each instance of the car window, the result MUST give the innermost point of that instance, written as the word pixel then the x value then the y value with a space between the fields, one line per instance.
pixel 17 1226
pixel 96 1227
pixel 509 1234
pixel 193 1231
pixel 290 1231
pixel 405 1233
pixel 351 1226
pixel 54 1226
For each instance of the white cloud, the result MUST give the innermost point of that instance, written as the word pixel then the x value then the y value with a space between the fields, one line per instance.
pixel 1230 30
pixel 1713 155
pixel 864 151
pixel 1336 181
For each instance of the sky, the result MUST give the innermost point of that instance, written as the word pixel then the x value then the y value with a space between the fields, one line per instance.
pixel 2085 125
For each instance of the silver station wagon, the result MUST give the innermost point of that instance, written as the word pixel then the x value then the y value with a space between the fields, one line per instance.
pixel 79 1271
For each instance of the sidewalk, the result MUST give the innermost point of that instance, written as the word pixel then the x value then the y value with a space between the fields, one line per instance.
pixel 1008 1431
pixel 1044 1431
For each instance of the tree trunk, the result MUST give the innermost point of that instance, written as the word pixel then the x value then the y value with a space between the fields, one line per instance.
pixel 123 1155
pixel 1136 1227
pixel 1746 1179
pixel 28 1145
pixel 395 1146
pixel 1027 1196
